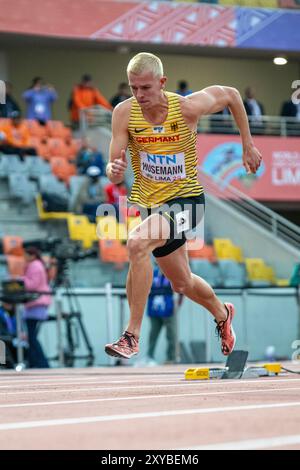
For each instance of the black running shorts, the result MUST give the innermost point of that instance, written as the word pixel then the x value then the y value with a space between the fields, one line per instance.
pixel 183 214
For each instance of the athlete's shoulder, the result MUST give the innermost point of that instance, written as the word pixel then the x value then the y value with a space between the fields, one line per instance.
pixel 122 110
pixel 123 106
pixel 187 107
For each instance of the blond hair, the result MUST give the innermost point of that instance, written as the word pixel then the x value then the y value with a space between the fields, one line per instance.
pixel 146 62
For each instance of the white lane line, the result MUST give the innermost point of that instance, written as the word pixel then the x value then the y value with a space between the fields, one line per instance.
pixel 83 382
pixel 250 444
pixel 100 375
pixel 157 414
pixel 148 397
pixel 24 378
pixel 142 387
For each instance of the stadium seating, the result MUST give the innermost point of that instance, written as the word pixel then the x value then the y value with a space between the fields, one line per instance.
pixel 196 249
pixel 12 245
pixel 209 271
pixel 109 228
pixel 80 229
pixel 37 167
pixel 20 187
pixel 225 249
pixel 62 169
pixel 233 274
pixel 35 129
pixel 75 183
pixel 51 215
pixel 16 265
pixel 259 274
pixel 112 251
pixel 57 129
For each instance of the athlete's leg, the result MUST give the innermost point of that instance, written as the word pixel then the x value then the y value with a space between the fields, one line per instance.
pixel 152 233
pixel 176 268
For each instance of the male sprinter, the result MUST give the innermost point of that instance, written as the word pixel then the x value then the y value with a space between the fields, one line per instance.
pixel 159 128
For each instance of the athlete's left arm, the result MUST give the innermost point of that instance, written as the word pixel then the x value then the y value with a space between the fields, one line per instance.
pixel 215 98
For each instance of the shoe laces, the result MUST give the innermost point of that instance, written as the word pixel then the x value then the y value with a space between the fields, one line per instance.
pixel 126 339
pixel 219 331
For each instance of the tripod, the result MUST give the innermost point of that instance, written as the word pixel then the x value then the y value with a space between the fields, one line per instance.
pixel 73 321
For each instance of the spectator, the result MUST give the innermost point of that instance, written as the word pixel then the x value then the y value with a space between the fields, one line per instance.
pixel 89 156
pixel 160 309
pixel 83 96
pixel 36 311
pixel 255 111
pixel 292 110
pixel 39 99
pixel 183 88
pixel 122 95
pixel 113 193
pixel 10 105
pixel 91 194
pixel 15 137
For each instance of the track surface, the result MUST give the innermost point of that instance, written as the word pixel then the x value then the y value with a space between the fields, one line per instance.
pixel 146 408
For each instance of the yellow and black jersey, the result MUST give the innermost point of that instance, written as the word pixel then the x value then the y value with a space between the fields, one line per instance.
pixel 163 157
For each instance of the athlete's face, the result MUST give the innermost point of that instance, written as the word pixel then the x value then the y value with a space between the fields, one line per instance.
pixel 146 88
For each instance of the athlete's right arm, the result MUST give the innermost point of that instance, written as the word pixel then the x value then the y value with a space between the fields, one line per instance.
pixel 117 164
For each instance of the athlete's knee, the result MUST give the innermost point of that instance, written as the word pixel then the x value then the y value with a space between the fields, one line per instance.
pixel 136 247
pixel 181 286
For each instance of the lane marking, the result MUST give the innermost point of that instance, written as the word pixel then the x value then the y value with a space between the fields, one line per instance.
pixel 157 414
pixel 143 397
pixel 141 387
pixel 92 381
pixel 250 444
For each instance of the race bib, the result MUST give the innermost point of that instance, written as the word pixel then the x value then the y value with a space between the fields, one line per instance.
pixel 163 168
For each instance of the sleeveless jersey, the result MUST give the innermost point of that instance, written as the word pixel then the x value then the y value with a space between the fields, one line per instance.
pixel 163 157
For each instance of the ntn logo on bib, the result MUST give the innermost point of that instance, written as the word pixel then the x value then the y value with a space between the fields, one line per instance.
pixel 163 168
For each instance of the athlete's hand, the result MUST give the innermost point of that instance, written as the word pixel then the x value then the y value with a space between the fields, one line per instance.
pixel 251 158
pixel 118 166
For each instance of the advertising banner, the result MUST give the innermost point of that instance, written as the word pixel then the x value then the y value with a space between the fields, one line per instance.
pixel 278 178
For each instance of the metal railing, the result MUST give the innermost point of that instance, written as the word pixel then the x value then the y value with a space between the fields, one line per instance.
pixel 95 116
pixel 261 125
pixel 265 217
pixel 217 124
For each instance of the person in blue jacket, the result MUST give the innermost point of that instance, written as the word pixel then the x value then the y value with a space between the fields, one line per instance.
pixel 160 309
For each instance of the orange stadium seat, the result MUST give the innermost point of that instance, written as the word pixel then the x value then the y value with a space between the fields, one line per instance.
pixel 57 129
pixel 16 265
pixel 58 147
pixel 196 249
pixel 113 251
pixel 72 148
pixel 4 122
pixel 41 146
pixel 35 129
pixel 62 169
pixel 13 245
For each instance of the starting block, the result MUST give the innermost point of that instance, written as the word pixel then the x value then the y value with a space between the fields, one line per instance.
pixel 234 369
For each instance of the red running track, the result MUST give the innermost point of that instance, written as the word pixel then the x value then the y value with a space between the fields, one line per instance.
pixel 146 408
